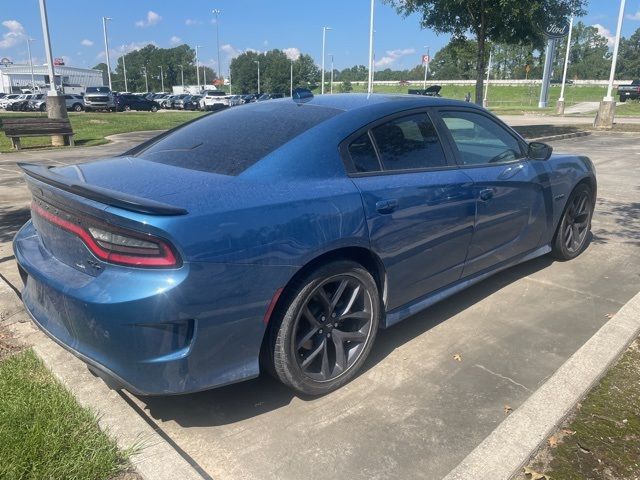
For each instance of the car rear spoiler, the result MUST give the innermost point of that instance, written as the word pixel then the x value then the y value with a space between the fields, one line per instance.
pixel 99 194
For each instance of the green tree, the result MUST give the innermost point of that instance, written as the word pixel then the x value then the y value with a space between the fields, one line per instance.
pixel 501 22
pixel 346 87
pixel 456 61
pixel 629 57
pixel 589 57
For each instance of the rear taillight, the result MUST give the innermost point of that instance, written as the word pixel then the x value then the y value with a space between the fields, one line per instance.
pixel 109 243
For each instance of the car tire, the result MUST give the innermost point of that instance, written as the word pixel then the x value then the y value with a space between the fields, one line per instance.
pixel 154 109
pixel 126 108
pixel 43 107
pixel 314 349
pixel 77 107
pixel 573 232
pixel 623 99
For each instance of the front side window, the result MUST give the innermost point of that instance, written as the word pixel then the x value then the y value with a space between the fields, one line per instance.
pixel 409 143
pixel 480 140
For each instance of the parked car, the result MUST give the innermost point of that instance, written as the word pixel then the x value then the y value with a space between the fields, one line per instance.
pixel 629 92
pixel 99 98
pixel 134 102
pixel 36 101
pixel 180 100
pixel 235 100
pixel 168 101
pixel 284 234
pixel 214 100
pixel 8 99
pixel 20 104
pixel 192 102
pixel 252 97
pixel 72 102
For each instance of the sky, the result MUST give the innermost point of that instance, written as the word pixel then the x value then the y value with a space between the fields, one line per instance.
pixel 76 29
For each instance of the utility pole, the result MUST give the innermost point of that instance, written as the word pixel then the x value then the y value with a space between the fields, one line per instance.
pixel 56 107
pixel 204 76
pixel 291 81
pixel 370 87
pixel 324 39
pixel 230 93
pixel 217 13
pixel 161 78
pixel 560 104
pixel 198 67
pixel 331 88
pixel 146 80
pixel 33 82
pixel 124 69
pixel 258 62
pixel 606 113
pixel 106 48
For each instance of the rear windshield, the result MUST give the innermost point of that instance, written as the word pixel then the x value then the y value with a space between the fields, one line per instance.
pixel 231 141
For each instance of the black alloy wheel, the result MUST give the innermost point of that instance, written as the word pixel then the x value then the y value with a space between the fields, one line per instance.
pixel 575 224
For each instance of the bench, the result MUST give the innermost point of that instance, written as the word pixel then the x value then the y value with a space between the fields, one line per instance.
pixel 37 127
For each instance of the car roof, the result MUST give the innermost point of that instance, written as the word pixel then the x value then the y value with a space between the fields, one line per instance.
pixel 353 101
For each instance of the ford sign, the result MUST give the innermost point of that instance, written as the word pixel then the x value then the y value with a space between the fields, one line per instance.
pixel 556 31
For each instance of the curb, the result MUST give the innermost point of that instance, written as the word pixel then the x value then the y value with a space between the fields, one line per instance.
pixel 508 448
pixel 564 136
pixel 156 459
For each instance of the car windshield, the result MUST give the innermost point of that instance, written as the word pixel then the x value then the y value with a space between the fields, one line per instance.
pixel 228 143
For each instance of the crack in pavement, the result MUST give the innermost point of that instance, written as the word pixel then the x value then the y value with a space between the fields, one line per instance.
pixel 482 367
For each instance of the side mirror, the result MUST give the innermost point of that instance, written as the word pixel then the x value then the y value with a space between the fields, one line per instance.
pixel 539 151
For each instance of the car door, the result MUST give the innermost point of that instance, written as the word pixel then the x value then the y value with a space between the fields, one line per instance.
pixel 510 189
pixel 419 206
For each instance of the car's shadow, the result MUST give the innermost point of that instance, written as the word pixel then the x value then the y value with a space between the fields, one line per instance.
pixel 227 405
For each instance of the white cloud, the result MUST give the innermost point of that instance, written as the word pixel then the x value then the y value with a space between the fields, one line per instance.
pixel 189 22
pixel 230 51
pixel 292 53
pixel 606 33
pixel 152 19
pixel 15 35
pixel 635 16
pixel 393 55
pixel 86 43
pixel 175 40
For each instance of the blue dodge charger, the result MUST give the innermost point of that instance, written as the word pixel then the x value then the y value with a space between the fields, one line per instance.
pixel 282 235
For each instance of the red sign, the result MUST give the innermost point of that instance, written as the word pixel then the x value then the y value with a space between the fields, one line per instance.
pixel 426 59
pixel 58 61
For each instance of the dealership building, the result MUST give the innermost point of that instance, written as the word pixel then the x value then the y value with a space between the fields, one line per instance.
pixel 16 78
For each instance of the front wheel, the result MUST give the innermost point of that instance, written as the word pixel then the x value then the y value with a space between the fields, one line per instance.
pixel 327 328
pixel 575 224
pixel 154 109
pixel 77 107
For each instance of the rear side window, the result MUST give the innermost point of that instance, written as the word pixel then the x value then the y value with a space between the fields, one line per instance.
pixel 363 154
pixel 409 143
pixel 229 142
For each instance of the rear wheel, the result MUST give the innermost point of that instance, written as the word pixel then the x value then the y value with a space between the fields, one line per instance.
pixel 77 107
pixel 573 231
pixel 327 328
pixel 127 108
pixel 154 108
pixel 43 107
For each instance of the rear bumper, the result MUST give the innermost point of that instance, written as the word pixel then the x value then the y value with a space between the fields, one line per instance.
pixel 155 332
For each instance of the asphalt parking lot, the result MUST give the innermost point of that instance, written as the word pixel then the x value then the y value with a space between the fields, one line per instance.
pixel 415 411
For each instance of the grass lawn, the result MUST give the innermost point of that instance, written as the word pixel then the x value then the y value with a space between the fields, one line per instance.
pixel 628 109
pixel 91 128
pixel 44 433
pixel 602 439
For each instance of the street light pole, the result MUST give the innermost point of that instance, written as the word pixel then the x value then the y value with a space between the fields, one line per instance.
pixel 146 80
pixel 217 12
pixel 370 87
pixel 485 102
pixel 198 67
pixel 161 78
pixel 607 110
pixel 324 39
pixel 560 104
pixel 106 48
pixel 124 69
pixel 331 88
pixel 426 69
pixel 258 62
pixel 291 81
pixel 33 82
pixel 182 76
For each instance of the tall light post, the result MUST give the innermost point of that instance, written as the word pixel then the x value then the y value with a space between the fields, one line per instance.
pixel 426 69
pixel 182 76
pixel 560 104
pixel 33 82
pixel 106 48
pixel 198 67
pixel 485 102
pixel 607 110
pixel 291 81
pixel 217 13
pixel 204 76
pixel 56 107
pixel 230 92
pixel 161 78
pixel 370 87
pixel 146 80
pixel 331 86
pixel 124 70
pixel 258 62
pixel 324 40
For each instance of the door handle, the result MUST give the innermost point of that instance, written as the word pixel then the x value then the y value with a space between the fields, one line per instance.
pixel 387 206
pixel 486 194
